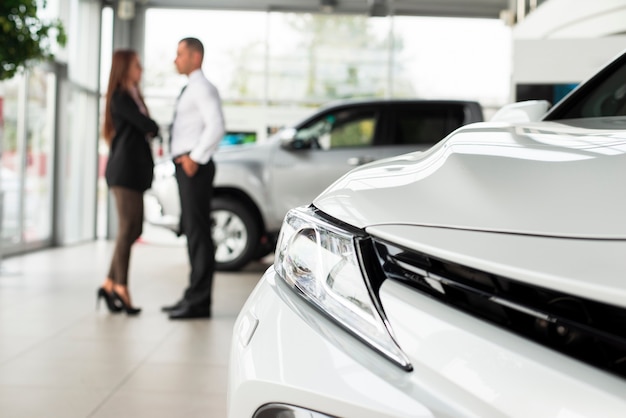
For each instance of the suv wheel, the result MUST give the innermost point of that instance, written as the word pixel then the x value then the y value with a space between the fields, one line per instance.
pixel 235 234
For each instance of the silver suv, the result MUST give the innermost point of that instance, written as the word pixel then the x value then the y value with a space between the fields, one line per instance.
pixel 255 185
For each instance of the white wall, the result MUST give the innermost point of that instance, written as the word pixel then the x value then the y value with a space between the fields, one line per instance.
pixel 537 61
pixel 566 41
pixel 574 19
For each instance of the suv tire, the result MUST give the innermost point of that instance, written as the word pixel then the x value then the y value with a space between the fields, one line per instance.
pixel 235 234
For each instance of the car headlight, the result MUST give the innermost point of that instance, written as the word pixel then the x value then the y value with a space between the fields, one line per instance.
pixel 321 261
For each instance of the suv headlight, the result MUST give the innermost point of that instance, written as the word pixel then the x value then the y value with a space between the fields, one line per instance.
pixel 321 261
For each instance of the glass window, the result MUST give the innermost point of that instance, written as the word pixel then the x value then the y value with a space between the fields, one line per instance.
pixel 105 223
pixel 78 128
pixel 39 144
pixel 345 128
pixel 10 174
pixel 602 96
pixel 425 125
pixel 27 117
pixel 316 58
pixel 234 60
pixel 273 69
pixel 234 55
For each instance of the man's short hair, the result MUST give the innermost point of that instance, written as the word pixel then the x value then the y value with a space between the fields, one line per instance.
pixel 194 44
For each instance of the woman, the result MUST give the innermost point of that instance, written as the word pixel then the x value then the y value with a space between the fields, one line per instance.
pixel 127 130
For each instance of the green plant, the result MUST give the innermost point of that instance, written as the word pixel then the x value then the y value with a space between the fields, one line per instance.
pixel 24 37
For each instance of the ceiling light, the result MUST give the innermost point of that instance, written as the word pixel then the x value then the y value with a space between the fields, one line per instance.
pixel 378 8
pixel 126 9
pixel 328 6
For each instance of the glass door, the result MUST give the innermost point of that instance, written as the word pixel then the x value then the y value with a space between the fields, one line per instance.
pixel 27 122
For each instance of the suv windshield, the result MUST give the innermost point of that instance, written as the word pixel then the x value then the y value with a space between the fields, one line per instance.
pixel 602 96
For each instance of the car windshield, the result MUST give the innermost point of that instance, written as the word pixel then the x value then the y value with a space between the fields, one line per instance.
pixel 602 96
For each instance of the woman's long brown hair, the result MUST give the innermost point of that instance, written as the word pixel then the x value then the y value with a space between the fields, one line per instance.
pixel 120 66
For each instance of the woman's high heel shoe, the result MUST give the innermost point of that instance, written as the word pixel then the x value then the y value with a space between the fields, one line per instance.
pixel 124 307
pixel 108 298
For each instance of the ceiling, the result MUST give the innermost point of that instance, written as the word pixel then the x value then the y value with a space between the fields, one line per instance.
pixel 443 8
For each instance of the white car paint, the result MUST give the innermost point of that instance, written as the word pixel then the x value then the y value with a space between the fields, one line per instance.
pixel 495 259
pixel 462 365
pixel 479 179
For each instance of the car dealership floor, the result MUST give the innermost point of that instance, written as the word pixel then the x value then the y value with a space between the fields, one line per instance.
pixel 60 357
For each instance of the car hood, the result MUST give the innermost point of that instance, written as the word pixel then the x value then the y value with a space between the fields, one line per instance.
pixel 553 179
pixel 237 152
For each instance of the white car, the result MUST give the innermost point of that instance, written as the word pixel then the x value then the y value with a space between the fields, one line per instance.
pixel 485 277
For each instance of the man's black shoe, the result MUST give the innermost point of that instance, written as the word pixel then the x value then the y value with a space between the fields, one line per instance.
pixel 178 305
pixel 188 312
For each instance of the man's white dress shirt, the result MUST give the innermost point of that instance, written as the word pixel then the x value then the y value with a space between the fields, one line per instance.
pixel 198 125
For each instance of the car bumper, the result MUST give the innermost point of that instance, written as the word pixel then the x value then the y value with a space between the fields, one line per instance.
pixel 284 352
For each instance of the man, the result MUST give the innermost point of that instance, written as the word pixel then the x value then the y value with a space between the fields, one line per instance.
pixel 197 130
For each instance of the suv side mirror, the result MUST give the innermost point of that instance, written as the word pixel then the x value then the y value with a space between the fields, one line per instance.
pixel 526 111
pixel 289 141
pixel 286 137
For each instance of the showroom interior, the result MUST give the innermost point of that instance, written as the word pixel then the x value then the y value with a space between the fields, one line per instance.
pixel 275 61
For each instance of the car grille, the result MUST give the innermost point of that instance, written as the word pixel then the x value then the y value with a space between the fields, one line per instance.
pixel 587 330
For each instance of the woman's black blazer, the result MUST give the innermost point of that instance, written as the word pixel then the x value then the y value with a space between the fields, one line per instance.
pixel 130 161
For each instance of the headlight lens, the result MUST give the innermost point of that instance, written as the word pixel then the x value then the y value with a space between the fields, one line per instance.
pixel 320 260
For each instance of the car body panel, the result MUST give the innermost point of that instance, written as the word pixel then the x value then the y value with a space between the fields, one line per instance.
pixel 317 169
pixel 480 177
pixel 243 168
pixel 281 328
pixel 500 369
pixel 315 364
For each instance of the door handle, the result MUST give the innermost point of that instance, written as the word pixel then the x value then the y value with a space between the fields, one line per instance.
pixel 355 161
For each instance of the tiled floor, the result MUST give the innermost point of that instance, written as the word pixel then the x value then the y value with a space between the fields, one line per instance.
pixel 60 357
